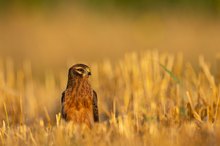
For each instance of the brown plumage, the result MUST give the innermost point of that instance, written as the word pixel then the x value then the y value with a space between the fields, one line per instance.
pixel 79 100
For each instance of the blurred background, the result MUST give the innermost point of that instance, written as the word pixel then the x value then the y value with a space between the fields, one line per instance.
pixel 49 33
pixel 41 39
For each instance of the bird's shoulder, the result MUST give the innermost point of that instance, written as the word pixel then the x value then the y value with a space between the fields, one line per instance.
pixel 94 96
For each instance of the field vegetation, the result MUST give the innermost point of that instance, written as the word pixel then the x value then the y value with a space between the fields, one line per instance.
pixel 148 98
pixel 155 67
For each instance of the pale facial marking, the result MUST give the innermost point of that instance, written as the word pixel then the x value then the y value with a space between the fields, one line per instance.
pixel 83 71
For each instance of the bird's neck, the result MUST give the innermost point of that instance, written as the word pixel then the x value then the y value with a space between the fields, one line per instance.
pixel 76 81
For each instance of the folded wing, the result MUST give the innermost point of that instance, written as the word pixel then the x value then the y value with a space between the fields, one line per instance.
pixel 95 107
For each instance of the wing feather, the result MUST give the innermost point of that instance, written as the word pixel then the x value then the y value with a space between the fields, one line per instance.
pixel 63 114
pixel 95 107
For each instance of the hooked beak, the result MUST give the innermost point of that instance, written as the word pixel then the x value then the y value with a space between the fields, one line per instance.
pixel 87 73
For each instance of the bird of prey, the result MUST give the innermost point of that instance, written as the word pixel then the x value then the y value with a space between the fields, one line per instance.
pixel 79 100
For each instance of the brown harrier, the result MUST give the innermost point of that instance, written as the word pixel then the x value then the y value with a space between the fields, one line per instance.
pixel 79 100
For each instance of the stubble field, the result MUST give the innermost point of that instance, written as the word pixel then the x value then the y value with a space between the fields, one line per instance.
pixel 147 98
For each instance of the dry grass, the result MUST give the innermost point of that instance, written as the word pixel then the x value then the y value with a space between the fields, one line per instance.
pixel 141 103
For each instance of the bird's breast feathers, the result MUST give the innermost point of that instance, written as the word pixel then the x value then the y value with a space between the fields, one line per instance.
pixel 78 103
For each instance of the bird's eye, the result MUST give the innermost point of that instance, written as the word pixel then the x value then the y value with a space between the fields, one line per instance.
pixel 81 70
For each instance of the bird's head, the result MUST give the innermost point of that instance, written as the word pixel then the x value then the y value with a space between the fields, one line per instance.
pixel 80 70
